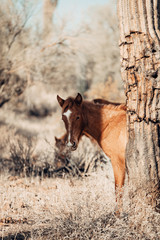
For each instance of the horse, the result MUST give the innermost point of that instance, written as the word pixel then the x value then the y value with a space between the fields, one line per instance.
pixel 60 143
pixel 103 101
pixel 103 121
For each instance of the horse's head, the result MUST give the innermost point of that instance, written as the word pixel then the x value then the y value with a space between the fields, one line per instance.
pixel 73 119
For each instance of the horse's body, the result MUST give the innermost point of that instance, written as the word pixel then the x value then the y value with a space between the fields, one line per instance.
pixel 105 122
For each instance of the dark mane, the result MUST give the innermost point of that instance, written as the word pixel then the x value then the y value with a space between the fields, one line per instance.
pixel 98 102
pixel 112 104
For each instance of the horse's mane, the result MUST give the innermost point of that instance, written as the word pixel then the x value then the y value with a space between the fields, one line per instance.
pixel 110 105
pixel 102 103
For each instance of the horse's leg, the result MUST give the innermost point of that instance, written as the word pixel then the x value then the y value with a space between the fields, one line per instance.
pixel 119 176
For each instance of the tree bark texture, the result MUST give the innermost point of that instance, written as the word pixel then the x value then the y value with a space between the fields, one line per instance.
pixel 139 22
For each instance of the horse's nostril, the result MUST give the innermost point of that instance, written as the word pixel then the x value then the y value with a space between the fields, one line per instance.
pixel 72 144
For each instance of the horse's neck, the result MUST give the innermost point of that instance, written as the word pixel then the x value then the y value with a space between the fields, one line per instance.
pixel 92 119
pixel 97 118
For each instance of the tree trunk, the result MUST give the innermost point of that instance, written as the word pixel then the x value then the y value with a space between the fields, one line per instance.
pixel 139 22
pixel 48 11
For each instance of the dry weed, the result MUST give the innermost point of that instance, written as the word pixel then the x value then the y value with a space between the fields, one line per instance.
pixel 70 209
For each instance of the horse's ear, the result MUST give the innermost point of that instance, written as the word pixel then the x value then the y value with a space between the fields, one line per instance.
pixel 60 100
pixel 78 99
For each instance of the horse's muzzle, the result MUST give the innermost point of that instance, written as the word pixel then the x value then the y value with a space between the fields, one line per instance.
pixel 72 145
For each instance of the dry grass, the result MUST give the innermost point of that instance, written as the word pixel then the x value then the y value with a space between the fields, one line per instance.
pixel 69 208
pixel 53 203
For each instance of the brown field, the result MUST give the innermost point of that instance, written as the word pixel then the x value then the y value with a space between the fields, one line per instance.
pixel 68 209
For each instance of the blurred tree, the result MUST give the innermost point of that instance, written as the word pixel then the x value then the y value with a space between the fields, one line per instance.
pixel 12 42
pixel 78 59
pixel 139 23
pixel 48 11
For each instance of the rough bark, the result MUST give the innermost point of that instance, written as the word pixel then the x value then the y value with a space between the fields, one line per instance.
pixel 139 22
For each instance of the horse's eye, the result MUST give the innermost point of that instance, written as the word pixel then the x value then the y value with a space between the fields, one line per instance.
pixel 77 118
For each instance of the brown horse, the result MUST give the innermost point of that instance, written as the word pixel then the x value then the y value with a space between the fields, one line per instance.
pixel 106 102
pixel 103 121
pixel 61 142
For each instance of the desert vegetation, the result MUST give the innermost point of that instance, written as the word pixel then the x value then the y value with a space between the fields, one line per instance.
pixel 46 193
